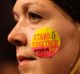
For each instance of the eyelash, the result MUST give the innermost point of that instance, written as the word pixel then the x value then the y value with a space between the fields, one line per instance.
pixel 16 18
pixel 34 17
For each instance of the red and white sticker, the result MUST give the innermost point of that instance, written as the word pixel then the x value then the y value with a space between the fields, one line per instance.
pixel 45 42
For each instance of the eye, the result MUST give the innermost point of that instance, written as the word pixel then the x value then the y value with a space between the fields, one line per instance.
pixel 34 17
pixel 16 18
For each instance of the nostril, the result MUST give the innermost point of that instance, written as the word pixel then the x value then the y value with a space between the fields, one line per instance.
pixel 17 42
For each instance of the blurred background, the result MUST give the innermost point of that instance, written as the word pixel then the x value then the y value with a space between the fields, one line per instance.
pixel 6 24
pixel 7 51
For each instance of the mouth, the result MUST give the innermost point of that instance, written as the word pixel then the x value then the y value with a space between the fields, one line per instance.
pixel 28 59
pixel 25 62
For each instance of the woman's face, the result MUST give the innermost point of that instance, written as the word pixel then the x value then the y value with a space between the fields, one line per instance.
pixel 32 15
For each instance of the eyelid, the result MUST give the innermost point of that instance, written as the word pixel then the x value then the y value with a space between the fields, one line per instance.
pixel 34 17
pixel 35 13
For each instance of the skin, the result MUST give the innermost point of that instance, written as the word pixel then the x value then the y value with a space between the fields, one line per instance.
pixel 47 14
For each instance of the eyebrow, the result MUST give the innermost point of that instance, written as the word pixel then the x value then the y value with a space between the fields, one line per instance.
pixel 25 5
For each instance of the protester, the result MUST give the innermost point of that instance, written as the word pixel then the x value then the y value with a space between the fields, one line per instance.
pixel 47 36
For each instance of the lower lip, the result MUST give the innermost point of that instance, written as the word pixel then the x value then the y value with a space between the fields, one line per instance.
pixel 24 62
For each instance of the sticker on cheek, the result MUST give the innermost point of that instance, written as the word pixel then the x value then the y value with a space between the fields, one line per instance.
pixel 45 42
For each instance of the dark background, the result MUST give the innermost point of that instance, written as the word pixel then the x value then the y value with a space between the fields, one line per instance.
pixel 7 51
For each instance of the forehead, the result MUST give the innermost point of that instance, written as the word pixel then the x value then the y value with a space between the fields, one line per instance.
pixel 33 1
pixel 23 3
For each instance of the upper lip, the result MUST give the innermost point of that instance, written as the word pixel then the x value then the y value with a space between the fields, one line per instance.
pixel 23 58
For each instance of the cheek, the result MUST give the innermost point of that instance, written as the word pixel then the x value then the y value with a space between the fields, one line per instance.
pixel 69 44
pixel 29 32
pixel 63 60
pixel 45 42
pixel 65 29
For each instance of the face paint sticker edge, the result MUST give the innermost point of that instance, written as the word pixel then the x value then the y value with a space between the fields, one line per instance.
pixel 45 42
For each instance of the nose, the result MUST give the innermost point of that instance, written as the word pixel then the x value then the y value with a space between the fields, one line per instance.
pixel 17 38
